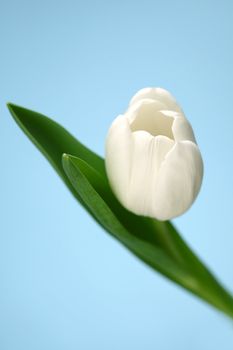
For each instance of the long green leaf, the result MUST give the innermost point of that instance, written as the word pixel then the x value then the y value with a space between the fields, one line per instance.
pixel 53 140
pixel 156 243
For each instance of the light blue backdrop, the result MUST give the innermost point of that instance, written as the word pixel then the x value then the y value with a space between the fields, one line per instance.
pixel 65 284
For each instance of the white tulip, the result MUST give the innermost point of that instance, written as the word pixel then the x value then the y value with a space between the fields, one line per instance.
pixel 153 163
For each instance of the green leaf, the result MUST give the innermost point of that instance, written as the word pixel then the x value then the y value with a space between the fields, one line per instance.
pixel 53 140
pixel 156 243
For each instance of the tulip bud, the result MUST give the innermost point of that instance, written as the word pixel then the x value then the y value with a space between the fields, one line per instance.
pixel 153 163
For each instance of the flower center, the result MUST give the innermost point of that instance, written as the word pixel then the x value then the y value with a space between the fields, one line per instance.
pixel 148 118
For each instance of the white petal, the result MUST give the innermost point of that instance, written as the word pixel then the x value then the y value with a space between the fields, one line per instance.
pixel 158 94
pixel 118 150
pixel 179 181
pixel 144 106
pixel 182 129
pixel 147 156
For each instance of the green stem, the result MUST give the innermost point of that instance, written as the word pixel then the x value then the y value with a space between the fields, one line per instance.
pixel 211 290
pixel 207 287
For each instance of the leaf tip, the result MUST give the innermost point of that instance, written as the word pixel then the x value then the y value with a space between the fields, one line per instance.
pixel 13 108
pixel 65 159
pixel 65 156
pixel 9 105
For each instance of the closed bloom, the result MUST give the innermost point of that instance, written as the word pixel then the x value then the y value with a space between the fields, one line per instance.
pixel 153 163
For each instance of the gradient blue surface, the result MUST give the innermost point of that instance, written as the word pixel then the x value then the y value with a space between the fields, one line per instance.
pixel 66 284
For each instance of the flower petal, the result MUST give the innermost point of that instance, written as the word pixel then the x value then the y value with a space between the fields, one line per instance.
pixel 182 129
pixel 143 106
pixel 158 94
pixel 118 151
pixel 147 156
pixel 179 181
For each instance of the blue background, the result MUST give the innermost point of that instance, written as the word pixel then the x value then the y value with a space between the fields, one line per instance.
pixel 66 284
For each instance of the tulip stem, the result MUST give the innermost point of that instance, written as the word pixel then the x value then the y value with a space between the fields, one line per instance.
pixel 206 286
pixel 216 295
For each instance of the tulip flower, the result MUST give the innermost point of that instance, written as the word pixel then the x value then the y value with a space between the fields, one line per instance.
pixel 153 163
